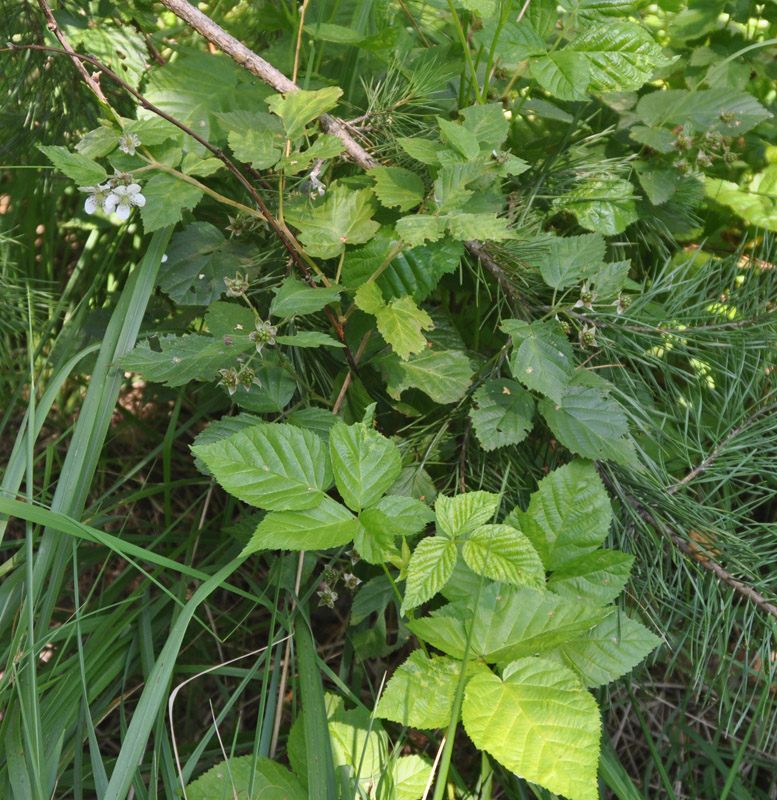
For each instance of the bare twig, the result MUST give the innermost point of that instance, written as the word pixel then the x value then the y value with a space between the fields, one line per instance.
pixel 90 80
pixel 263 70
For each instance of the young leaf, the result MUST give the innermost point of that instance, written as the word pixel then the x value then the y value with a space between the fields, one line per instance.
pixel 293 297
pixel 343 217
pixel 543 360
pixel 607 651
pixel 234 778
pixel 571 259
pixel 297 109
pixel 590 424
pixel 503 415
pixel 420 692
pixel 572 513
pixel 277 467
pixel 166 197
pixel 597 577
pixel 430 567
pixel 84 171
pixel 462 514
pixel 181 359
pixel 443 375
pixel 502 553
pixel 397 187
pixel 540 723
pixel 328 524
pixel 365 464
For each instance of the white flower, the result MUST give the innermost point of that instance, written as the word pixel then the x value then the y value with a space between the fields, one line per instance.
pixel 122 198
pixel 128 142
pixel 98 197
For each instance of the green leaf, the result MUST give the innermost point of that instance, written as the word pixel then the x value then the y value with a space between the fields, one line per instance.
pixel 704 109
pixel 273 392
pixel 485 227
pixel 295 298
pixel 255 137
pixel 333 33
pixel 756 202
pixel 397 187
pixel 365 464
pixel 517 42
pixel 84 171
pixel 607 651
pixel 198 260
pixel 659 139
pixel 543 360
pixel 502 553
pixel 462 514
pixel 460 138
pixel 343 217
pixel 181 359
pixel 572 513
pixel 443 375
pixel 597 577
pixel 328 524
pixel 407 516
pixel 421 691
pixel 539 723
pixel 277 467
pixel 622 56
pixel 166 197
pixel 503 414
pixel 484 8
pixel 325 147
pixel 405 779
pixel 659 184
pixel 563 73
pixel 487 122
pixel 606 206
pixel 233 778
pixel 610 278
pixel 297 109
pixel 419 228
pixel 430 567
pixel 229 319
pixel 98 142
pixel 309 339
pixel 571 259
pixel 590 424
pixel 421 150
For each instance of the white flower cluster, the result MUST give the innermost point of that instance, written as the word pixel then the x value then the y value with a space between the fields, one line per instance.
pixel 114 196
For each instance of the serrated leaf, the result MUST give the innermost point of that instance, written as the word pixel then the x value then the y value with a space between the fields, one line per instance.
pixel 597 577
pixel 396 187
pixel 295 298
pixel 297 109
pixel 276 467
pixel 421 150
pixel 659 139
pixel 503 553
pixel 316 420
pixel 308 339
pixel 460 138
pixel 485 227
pixel 421 691
pixel 704 109
pixel 79 168
pixel 407 515
pixel 571 259
pixel 516 42
pixel 328 524
pixel 343 217
pixel 539 723
pixel 608 651
pixel 443 375
pixel 543 361
pixel 610 278
pixel 405 779
pixel 365 464
pixel 754 202
pixel 487 122
pixel 621 56
pixel 166 197
pixel 606 206
pixel 181 359
pixel 503 414
pixel 401 323
pixel 98 142
pixel 591 425
pixel 485 8
pixel 419 228
pixel 325 147
pixel 462 514
pixel 198 260
pixel 270 780
pixel 563 73
pixel 229 319
pixel 430 567
pixel 257 145
pixel 271 391
pixel 659 184
pixel 572 513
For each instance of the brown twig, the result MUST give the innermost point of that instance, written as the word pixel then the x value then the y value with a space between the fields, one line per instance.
pixel 263 70
pixel 479 251
pixel 463 457
pixel 90 80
